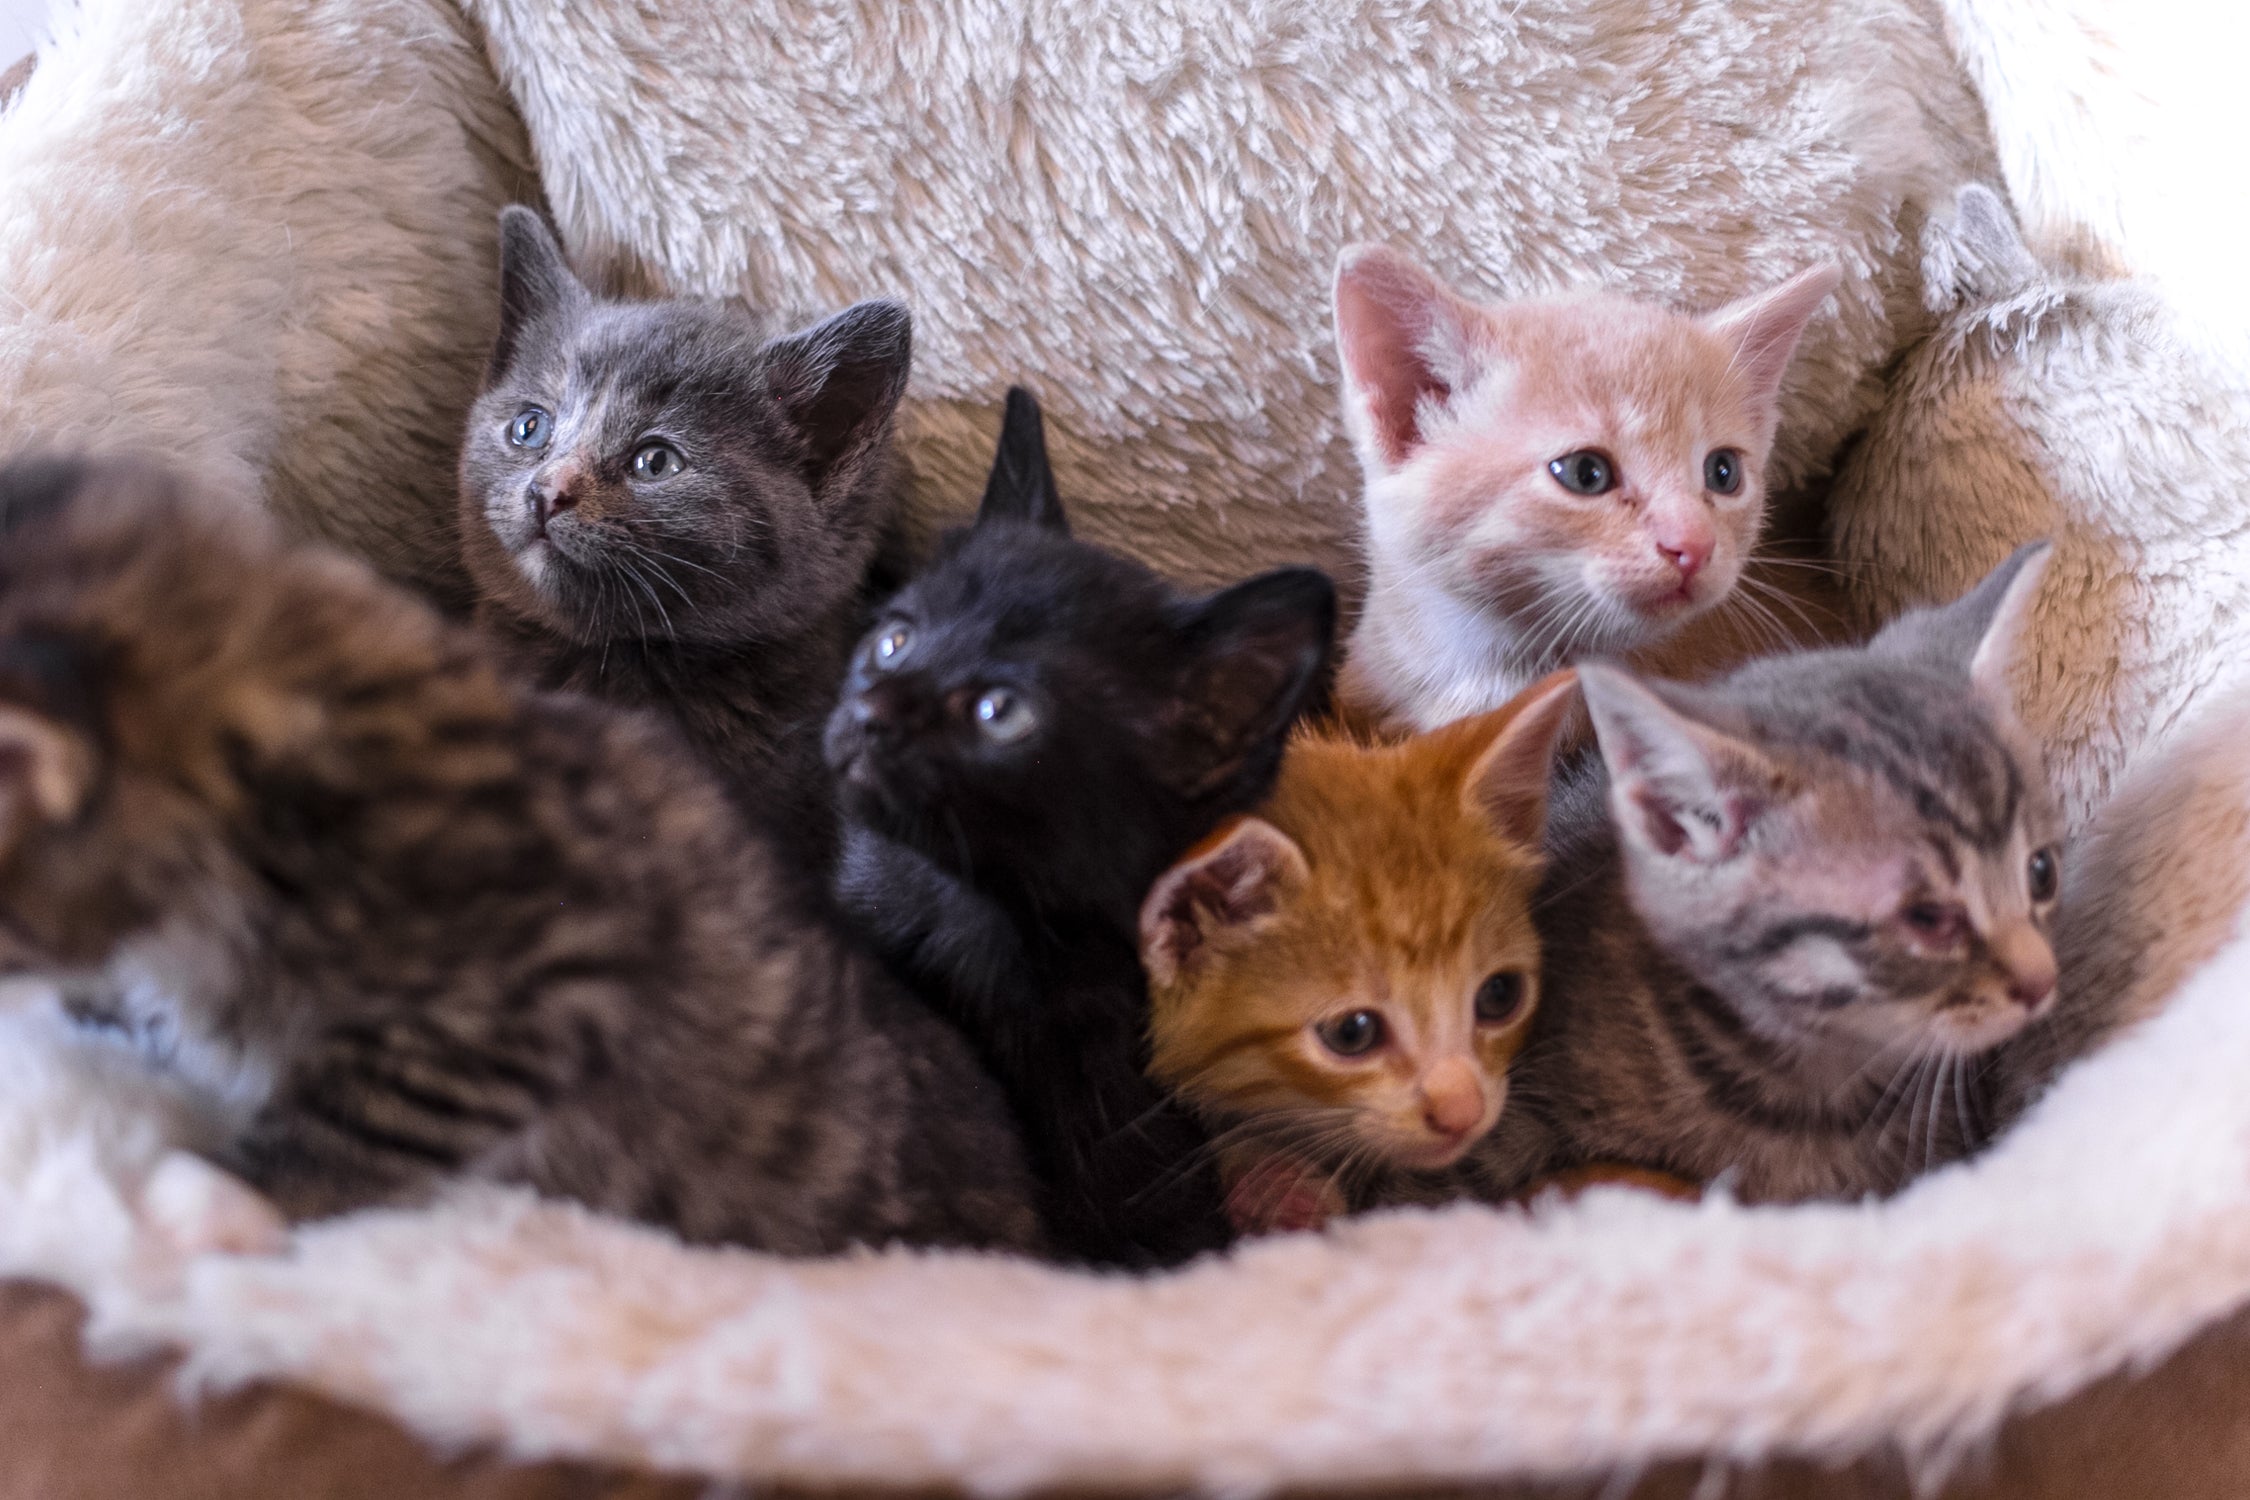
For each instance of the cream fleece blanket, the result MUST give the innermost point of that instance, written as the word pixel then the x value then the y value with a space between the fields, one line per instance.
pixel 1686 149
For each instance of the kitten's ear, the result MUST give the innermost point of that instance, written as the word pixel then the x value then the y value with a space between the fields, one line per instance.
pixel 49 733
pixel 1978 257
pixel 1022 484
pixel 1979 633
pixel 1677 785
pixel 1508 782
pixel 839 381
pixel 1230 884
pixel 1763 329
pixel 1255 655
pixel 1403 338
pixel 535 280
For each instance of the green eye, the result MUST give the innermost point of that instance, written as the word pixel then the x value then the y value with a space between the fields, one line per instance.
pixel 531 428
pixel 1585 472
pixel 657 461
pixel 1004 716
pixel 1353 1034
pixel 1722 471
pixel 1500 998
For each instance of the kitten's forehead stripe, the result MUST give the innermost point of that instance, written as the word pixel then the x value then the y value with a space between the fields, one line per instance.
pixel 1920 734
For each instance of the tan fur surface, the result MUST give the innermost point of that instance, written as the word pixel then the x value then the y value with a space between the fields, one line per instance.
pixel 1134 206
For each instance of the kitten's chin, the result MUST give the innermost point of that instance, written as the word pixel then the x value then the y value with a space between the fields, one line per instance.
pixel 1967 1031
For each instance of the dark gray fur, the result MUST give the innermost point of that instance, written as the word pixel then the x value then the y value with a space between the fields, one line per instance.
pixel 460 926
pixel 1765 1017
pixel 727 595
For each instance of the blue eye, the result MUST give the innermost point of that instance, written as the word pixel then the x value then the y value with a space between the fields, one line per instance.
pixel 531 428
pixel 1722 471
pixel 1585 472
pixel 657 461
pixel 1004 716
pixel 1500 998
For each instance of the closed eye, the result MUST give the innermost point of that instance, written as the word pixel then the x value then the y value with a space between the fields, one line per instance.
pixel 1937 923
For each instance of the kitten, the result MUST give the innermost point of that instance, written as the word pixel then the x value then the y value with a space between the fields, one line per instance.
pixel 1552 478
pixel 456 925
pixel 663 509
pixel 1344 978
pixel 1031 733
pixel 1794 917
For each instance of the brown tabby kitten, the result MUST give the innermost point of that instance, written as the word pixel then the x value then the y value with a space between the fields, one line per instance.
pixel 663 508
pixel 1793 917
pixel 456 925
pixel 1342 980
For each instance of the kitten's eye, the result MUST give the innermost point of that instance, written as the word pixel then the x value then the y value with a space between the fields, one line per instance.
pixel 1722 471
pixel 531 428
pixel 1500 998
pixel 657 461
pixel 1004 716
pixel 1352 1035
pixel 1934 921
pixel 2046 876
pixel 889 647
pixel 1585 472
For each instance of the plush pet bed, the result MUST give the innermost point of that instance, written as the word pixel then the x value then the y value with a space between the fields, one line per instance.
pixel 1133 205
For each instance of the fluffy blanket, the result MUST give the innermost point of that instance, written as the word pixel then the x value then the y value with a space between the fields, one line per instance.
pixel 1135 206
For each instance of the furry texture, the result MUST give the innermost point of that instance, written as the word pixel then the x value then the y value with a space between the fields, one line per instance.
pixel 1550 478
pixel 1523 140
pixel 1794 922
pixel 1345 976
pixel 1049 185
pixel 439 923
pixel 1031 732
pixel 661 508
pixel 1610 1331
pixel 2060 406
pixel 279 261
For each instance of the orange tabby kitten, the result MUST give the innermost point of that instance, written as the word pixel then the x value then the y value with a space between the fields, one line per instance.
pixel 1341 981
pixel 1555 477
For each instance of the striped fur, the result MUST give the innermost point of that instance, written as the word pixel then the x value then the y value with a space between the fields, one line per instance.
pixel 460 927
pixel 1795 919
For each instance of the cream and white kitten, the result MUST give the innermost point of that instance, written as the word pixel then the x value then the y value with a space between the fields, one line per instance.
pixel 1549 478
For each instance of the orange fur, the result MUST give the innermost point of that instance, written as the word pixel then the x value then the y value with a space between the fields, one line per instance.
pixel 1486 570
pixel 1391 878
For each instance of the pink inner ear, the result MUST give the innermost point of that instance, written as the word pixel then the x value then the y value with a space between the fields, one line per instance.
pixel 1235 883
pixel 1386 309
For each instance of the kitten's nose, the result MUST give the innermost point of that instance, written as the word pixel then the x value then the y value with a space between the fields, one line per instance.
pixel 1687 549
pixel 883 709
pixel 2028 962
pixel 552 494
pixel 1452 1097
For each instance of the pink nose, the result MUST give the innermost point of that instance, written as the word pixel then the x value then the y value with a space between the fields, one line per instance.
pixel 2028 962
pixel 1688 551
pixel 1452 1097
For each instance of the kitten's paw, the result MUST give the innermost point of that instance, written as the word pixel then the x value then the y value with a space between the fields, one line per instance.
pixel 203 1210
pixel 1279 1194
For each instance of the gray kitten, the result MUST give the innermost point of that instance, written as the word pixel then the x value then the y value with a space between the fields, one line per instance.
pixel 1795 917
pixel 456 925
pixel 662 508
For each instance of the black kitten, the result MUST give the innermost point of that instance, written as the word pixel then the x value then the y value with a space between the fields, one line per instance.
pixel 1031 733
pixel 662 508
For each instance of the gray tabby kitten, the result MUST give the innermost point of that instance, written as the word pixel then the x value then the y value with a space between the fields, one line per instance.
pixel 1794 917
pixel 662 508
pixel 456 925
